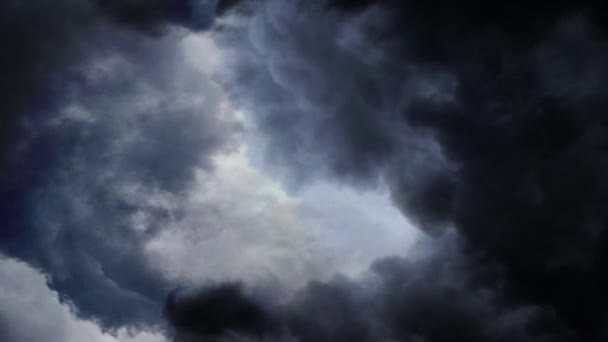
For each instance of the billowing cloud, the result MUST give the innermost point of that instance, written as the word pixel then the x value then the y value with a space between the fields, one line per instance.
pixel 125 176
pixel 433 295
pixel 103 125
pixel 130 173
pixel 32 312
pixel 236 224
pixel 487 119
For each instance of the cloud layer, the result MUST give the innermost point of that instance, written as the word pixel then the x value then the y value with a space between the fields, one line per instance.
pixel 100 121
pixel 487 119
pixel 121 155
pixel 123 171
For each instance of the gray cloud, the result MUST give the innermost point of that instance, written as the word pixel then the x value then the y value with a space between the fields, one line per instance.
pixel 488 119
pixel 305 82
pixel 328 101
pixel 237 224
pixel 104 179
pixel 435 295
pixel 101 121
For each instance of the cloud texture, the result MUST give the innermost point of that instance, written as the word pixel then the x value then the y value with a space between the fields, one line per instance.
pixel 485 119
pixel 103 125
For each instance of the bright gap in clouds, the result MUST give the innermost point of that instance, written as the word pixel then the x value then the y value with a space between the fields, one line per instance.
pixel 238 222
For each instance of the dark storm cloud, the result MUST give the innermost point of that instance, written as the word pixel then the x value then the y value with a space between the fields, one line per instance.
pixel 489 118
pixel 217 310
pixel 312 88
pixel 150 14
pixel 444 296
pixel 102 129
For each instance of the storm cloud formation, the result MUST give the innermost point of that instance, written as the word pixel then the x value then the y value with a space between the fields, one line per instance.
pixel 103 126
pixel 436 296
pixel 487 120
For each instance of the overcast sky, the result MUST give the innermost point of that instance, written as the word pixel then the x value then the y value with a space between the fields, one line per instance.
pixel 313 171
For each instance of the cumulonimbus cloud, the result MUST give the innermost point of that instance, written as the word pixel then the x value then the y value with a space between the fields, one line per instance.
pixel 485 118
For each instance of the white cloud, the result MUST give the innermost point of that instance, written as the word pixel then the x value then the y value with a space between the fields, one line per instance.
pixel 239 224
pixel 31 312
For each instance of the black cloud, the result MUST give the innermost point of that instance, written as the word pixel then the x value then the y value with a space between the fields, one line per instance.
pixel 489 118
pixel 445 296
pixel 217 310
pixel 151 15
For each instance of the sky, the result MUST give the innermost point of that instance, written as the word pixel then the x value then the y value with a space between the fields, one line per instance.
pixel 303 171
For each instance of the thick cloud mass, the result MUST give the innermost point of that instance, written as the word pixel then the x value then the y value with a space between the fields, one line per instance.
pixel 487 121
pixel 103 127
pixel 489 118
pixel 222 309
pixel 441 296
